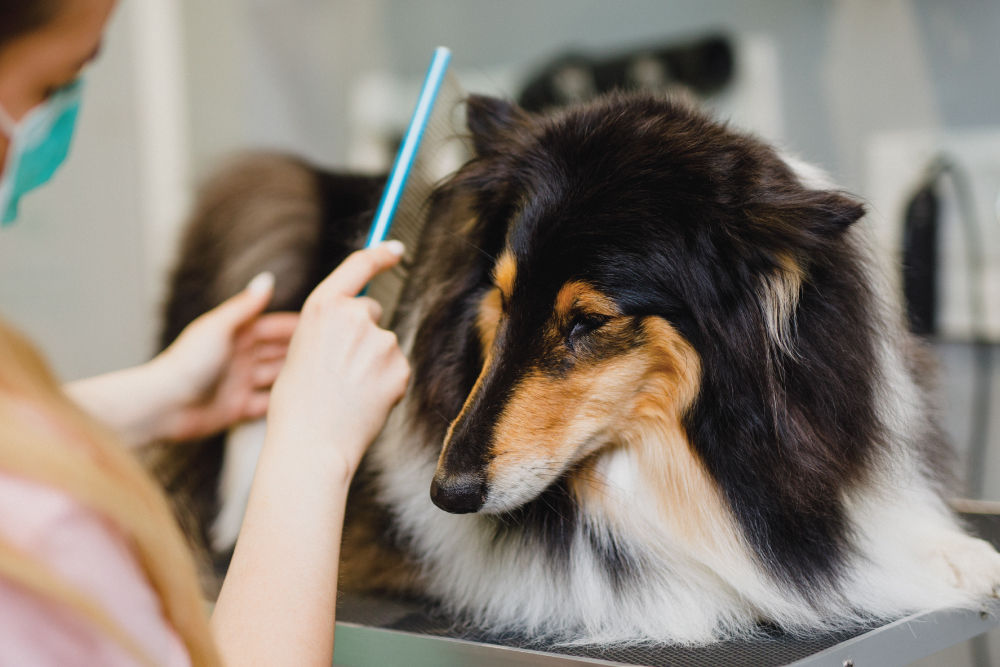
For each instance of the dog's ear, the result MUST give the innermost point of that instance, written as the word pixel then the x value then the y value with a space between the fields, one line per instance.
pixel 802 218
pixel 827 213
pixel 493 122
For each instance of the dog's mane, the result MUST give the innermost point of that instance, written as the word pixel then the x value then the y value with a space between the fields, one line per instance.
pixel 785 420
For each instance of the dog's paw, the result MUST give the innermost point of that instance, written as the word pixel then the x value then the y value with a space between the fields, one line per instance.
pixel 969 564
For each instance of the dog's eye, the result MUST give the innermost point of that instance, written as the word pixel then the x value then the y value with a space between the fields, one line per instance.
pixel 585 324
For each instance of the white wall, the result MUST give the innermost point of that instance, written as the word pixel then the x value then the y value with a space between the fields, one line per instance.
pixel 275 74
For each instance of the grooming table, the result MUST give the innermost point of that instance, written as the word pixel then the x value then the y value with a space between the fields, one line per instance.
pixel 384 633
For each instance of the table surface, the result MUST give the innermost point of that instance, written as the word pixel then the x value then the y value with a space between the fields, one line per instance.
pixel 378 631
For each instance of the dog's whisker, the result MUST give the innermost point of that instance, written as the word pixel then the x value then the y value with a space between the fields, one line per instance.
pixel 476 247
pixel 441 415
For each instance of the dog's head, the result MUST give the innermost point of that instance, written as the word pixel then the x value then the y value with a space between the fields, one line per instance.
pixel 635 255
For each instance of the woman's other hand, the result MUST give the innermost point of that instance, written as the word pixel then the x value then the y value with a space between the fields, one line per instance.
pixel 218 372
pixel 220 369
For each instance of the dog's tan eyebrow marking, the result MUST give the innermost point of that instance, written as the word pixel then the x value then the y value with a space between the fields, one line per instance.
pixel 578 295
pixel 488 317
pixel 504 274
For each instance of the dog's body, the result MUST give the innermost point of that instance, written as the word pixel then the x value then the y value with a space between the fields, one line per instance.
pixel 659 391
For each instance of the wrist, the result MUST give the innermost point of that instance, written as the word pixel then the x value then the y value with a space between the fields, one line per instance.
pixel 130 401
pixel 165 397
pixel 162 372
pixel 320 456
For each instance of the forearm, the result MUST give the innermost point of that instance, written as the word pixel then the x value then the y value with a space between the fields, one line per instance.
pixel 135 402
pixel 278 600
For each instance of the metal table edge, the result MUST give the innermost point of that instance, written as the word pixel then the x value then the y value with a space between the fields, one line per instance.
pixel 902 642
pixel 359 645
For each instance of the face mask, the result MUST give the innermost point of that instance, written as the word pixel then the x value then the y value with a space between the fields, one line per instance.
pixel 38 145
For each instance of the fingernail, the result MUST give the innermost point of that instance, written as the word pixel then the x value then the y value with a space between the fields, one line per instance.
pixel 395 247
pixel 261 283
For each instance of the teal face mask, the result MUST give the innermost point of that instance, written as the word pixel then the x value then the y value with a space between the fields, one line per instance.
pixel 38 144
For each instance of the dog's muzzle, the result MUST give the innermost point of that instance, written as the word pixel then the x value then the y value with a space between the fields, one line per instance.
pixel 461 493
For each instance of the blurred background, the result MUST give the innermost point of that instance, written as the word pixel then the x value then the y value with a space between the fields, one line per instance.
pixel 897 99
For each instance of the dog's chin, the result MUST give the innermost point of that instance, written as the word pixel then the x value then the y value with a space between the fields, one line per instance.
pixel 506 501
pixel 517 487
pixel 513 488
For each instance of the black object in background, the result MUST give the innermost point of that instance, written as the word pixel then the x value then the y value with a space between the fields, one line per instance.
pixel 921 227
pixel 920 259
pixel 704 66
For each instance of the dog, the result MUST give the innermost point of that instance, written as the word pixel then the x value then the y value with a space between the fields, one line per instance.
pixel 660 391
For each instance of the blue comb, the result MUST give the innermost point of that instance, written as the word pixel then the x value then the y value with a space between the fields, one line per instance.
pixel 408 151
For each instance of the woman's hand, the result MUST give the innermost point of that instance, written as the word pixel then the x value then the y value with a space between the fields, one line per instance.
pixel 220 369
pixel 217 373
pixel 343 373
pixel 342 376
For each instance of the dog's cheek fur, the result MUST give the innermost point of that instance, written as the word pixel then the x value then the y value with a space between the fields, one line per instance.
pixel 549 424
pixel 651 433
pixel 640 397
pixel 562 409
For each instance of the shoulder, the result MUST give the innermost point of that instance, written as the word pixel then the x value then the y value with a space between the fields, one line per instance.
pixel 85 552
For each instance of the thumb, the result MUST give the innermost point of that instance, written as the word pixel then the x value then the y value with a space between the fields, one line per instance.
pixel 244 306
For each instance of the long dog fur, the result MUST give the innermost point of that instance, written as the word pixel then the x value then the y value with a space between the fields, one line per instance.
pixel 658 385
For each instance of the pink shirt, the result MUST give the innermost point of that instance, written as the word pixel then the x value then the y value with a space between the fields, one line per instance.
pixel 90 554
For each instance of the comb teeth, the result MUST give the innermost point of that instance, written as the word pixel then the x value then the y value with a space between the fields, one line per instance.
pixel 443 148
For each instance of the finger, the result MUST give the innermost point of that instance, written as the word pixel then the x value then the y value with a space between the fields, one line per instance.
pixel 360 267
pixel 264 374
pixel 401 374
pixel 241 308
pixel 263 352
pixel 274 327
pixel 373 306
pixel 256 405
pixel 271 328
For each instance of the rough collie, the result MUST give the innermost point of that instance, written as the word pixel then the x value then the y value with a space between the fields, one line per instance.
pixel 659 390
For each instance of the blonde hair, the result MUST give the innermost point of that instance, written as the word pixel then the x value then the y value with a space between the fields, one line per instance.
pixel 90 465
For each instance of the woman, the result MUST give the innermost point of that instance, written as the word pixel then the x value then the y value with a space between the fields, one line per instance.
pixel 93 569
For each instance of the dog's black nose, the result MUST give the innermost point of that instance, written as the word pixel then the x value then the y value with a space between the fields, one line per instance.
pixel 458 494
